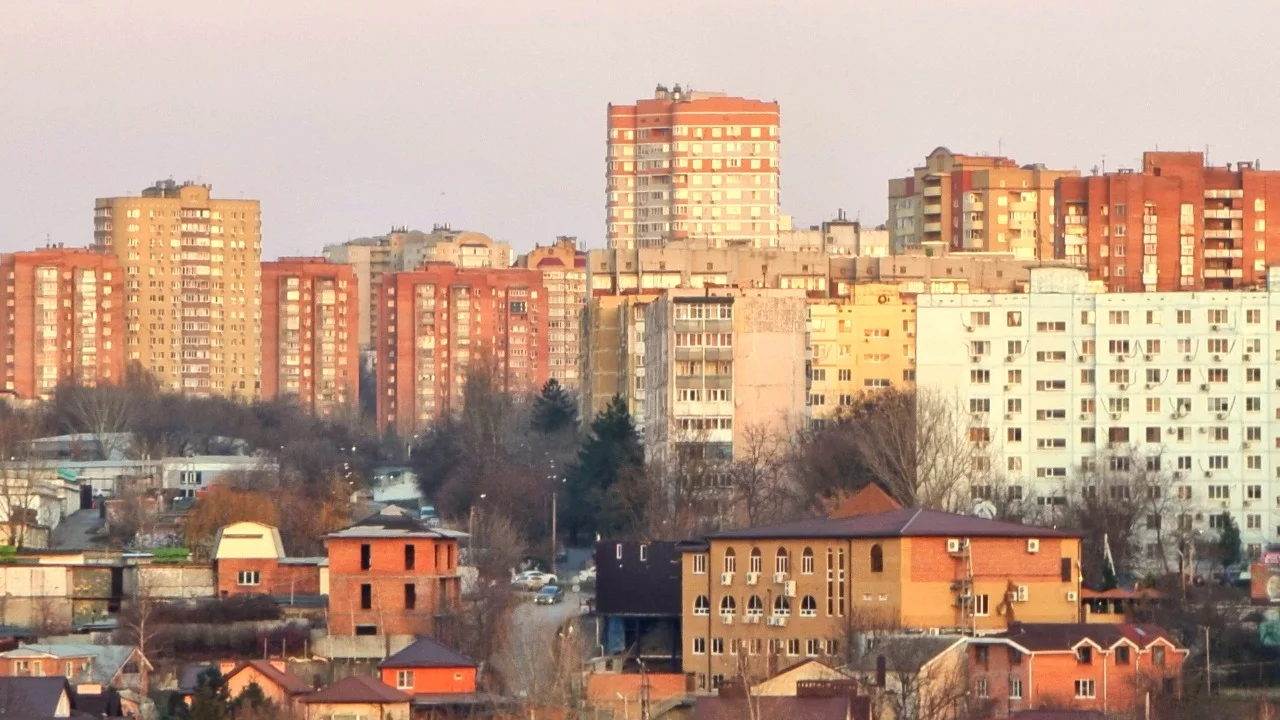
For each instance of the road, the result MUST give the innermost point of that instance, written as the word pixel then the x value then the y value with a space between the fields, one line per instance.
pixel 76 531
pixel 528 661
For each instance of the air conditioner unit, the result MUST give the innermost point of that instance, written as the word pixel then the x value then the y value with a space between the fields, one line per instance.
pixel 953 545
pixel 1204 387
pixel 1115 416
pixel 726 619
pixel 968 328
pixel 975 358
pixel 1033 545
pixel 1119 358
pixel 1008 416
pixel 726 578
pixel 934 631
pixel 1024 593
pixel 1084 416
pixel 1217 358
pixel 751 619
pixel 1150 385
pixel 1124 386
pixel 1008 387
pixel 1225 503
pixel 1148 357
pixel 1080 358
pixel 1177 474
pixel 1203 430
pixel 1011 596
pixel 789 589
pixel 1008 358
pixel 1247 357
pixel 779 578
pixel 1213 327
pixel 753 578
pixel 778 621
pixel 1170 431
pixel 1072 596
pixel 1186 357
pixel 1208 473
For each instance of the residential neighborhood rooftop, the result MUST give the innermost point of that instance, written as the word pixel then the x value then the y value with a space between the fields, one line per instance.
pixel 427 652
pixel 896 523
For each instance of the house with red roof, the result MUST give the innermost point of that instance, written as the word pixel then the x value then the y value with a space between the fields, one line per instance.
pixel 1104 667
pixel 356 696
pixel 274 679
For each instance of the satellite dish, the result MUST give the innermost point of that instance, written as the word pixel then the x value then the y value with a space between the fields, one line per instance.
pixel 985 510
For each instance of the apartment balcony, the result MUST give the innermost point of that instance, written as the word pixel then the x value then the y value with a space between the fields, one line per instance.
pixel 976 224
pixel 1223 214
pixel 1223 234
pixel 1223 253
pixel 934 209
pixel 1223 273
pixel 974 206
pixel 933 227
pixel 1223 194
pixel 932 191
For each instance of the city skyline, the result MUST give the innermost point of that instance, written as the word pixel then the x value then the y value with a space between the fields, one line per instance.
pixel 345 157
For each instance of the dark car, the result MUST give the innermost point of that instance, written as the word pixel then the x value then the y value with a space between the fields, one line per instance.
pixel 549 595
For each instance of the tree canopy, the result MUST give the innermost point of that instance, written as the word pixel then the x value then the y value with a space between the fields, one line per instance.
pixel 610 460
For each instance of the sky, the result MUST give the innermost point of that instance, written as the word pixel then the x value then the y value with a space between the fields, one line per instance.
pixel 346 118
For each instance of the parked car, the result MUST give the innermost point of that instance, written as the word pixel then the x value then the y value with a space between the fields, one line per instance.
pixel 549 595
pixel 588 575
pixel 534 579
pixel 426 512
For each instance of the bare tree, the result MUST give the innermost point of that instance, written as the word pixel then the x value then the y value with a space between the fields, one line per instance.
pixel 913 677
pixel 758 477
pixel 105 412
pixel 140 626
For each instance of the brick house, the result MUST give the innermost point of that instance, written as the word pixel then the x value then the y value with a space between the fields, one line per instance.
pixel 249 559
pixel 429 667
pixel 390 574
pixel 1106 667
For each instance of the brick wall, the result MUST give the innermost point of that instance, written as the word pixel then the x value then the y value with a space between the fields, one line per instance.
pixel 273 578
pixel 434 577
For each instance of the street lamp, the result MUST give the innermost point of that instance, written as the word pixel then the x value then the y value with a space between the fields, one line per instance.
pixel 471 527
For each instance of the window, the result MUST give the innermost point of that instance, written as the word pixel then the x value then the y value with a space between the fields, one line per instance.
pixel 699 564
pixel 644 553
pixel 877 559
pixel 981 605
pixel 979 319
pixel 728 605
pixel 806 562
pixel 1122 655
pixel 410 596
pixel 366 596
pixel 366 556
pixel 701 606
pixel 1085 689
pixel 980 377
pixel 717 646
pixel 782 561
pixel 366 630
pixel 699 646
pixel 248 577
pixel 1065 574
pixel 756 560
pixel 1015 688
pixel 730 561
pixel 404 679
pixel 1084 655
pixel 1118 317
pixel 1157 656
pixel 755 606
pixel 781 606
pixel 409 556
pixel 809 606
pixel 1013 319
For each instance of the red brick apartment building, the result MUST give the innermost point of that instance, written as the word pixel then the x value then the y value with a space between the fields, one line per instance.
pixel 436 323
pixel 390 574
pixel 692 164
pixel 64 320
pixel 1109 668
pixel 1177 224
pixel 310 321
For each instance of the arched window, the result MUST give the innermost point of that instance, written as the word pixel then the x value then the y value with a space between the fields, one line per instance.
pixel 755 606
pixel 806 561
pixel 781 606
pixel 809 606
pixel 877 559
pixel 730 561
pixel 701 605
pixel 782 561
pixel 881 670
pixel 755 560
pixel 728 605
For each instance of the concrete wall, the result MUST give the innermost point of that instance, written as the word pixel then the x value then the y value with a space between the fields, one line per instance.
pixel 171 582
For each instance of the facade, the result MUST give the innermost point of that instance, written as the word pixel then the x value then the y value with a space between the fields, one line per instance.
pixel 427 667
pixel 310 325
pixel 1179 224
pixel 687 164
pixel 192 279
pixel 863 343
pixel 390 574
pixel 65 320
pixel 437 323
pixel 841 236
pixel 249 559
pixel 721 366
pixel 1109 668
pixel 638 601
pixel 278 685
pixel 975 203
pixel 784 593
pixel 697 263
pixel 612 351
pixel 1070 389
pixel 564 276
pixel 917 272
pixel 368 258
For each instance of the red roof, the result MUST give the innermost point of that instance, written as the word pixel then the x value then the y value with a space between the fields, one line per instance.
pixel 287 681
pixel 896 523
pixel 357 689
pixel 1050 637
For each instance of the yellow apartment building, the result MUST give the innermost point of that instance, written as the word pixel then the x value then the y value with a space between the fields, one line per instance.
pixel 857 344
pixel 778 595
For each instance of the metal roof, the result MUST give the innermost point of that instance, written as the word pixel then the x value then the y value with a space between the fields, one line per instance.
pixel 895 523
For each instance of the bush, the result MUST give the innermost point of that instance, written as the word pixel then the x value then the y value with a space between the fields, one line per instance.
pixel 170 555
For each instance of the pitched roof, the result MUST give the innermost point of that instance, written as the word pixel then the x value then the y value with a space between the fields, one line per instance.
pixel 427 652
pixel 33 697
pixel 189 678
pixel 1047 637
pixel 871 498
pixel 287 681
pixel 105 661
pixel 896 523
pixel 902 653
pixel 357 689
pixel 392 522
pixel 808 708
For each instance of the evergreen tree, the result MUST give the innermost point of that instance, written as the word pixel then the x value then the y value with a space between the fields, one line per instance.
pixel 251 699
pixel 610 457
pixel 1229 551
pixel 211 700
pixel 554 409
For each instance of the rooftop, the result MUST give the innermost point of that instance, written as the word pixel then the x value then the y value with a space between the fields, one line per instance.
pixel 1049 637
pixel 427 652
pixel 106 661
pixel 357 689
pixel 808 708
pixel 895 523
pixel 287 681
pixel 392 522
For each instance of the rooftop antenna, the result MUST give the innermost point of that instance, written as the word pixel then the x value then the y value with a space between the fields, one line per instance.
pixel 1000 147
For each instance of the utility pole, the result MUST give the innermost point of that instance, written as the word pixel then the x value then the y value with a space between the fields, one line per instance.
pixel 553 531
pixel 1208 667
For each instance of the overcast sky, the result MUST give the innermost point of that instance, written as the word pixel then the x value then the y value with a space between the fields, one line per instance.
pixel 345 118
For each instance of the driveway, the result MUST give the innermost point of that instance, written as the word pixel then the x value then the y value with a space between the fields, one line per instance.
pixel 528 662
pixel 77 531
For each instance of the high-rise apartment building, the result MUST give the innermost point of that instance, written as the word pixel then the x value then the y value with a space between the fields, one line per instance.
pixel 692 164
pixel 975 203
pixel 564 275
pixel 404 249
pixel 721 366
pixel 191 285
pixel 438 323
pixel 1176 225
pixel 310 312
pixel 1066 387
pixel 860 344
pixel 64 320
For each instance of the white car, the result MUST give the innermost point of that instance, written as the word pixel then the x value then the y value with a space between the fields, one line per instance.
pixel 588 575
pixel 533 580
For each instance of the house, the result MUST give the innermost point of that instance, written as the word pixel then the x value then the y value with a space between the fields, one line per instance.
pixel 429 667
pixel 90 668
pixel 357 696
pixel 193 475
pixel 785 683
pixel 391 574
pixel 814 701
pixel 37 698
pixel 274 679
pixel 1116 605
pixel 638 601
pixel 1104 667
pixel 785 593
pixel 911 675
pixel 249 559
